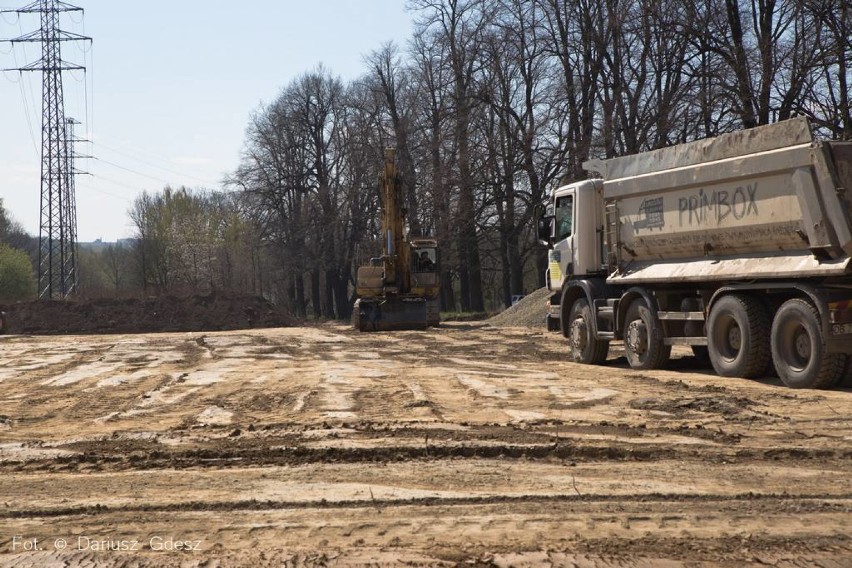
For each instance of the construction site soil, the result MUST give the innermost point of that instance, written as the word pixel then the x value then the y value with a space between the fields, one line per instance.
pixel 469 444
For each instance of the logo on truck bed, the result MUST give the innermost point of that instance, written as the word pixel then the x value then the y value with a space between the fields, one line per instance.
pixel 650 214
pixel 711 208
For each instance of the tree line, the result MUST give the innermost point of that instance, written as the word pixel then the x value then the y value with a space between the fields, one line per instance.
pixel 489 104
pixel 18 255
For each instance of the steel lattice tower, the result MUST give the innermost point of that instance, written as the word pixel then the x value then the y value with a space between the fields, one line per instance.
pixel 58 218
pixel 69 272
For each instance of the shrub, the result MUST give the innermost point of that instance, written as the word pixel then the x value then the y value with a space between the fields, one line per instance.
pixel 17 281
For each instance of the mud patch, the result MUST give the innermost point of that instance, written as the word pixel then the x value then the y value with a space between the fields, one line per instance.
pixel 723 406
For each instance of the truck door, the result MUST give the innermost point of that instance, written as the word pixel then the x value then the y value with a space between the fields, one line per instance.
pixel 562 253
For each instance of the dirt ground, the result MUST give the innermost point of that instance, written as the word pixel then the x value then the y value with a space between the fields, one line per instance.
pixel 465 445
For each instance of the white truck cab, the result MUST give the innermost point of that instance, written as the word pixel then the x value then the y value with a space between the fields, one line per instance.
pixel 573 229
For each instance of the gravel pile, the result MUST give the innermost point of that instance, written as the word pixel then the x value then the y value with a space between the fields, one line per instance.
pixel 529 312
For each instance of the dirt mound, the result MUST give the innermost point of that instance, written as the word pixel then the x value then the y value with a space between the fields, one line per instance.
pixel 215 312
pixel 529 312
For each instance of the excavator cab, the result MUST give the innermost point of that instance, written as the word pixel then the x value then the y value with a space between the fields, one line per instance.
pixel 424 257
pixel 424 262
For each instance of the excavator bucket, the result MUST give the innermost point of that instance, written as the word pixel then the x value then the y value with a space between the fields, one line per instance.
pixel 391 314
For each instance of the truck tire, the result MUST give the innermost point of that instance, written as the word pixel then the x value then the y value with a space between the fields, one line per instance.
pixel 643 338
pixel 798 348
pixel 738 338
pixel 585 348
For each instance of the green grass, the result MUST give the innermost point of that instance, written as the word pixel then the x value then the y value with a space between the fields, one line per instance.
pixel 465 316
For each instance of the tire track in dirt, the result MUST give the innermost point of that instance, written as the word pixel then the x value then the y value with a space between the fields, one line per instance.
pixel 424 444
pixel 600 534
pixel 777 504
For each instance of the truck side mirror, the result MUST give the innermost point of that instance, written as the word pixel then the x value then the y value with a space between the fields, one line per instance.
pixel 545 224
pixel 545 230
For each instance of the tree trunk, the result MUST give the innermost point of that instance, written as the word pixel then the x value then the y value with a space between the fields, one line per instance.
pixel 505 268
pixel 470 266
pixel 341 296
pixel 291 292
pixel 744 92
pixel 843 44
pixel 448 296
pixel 330 283
pixel 301 304
pixel 316 303
pixel 516 267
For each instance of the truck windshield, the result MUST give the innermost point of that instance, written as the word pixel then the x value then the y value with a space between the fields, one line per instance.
pixel 564 216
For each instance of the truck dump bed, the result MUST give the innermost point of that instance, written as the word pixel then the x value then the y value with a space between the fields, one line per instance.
pixel 768 202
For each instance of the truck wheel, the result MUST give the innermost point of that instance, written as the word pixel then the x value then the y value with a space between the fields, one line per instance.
pixel 737 337
pixel 643 338
pixel 798 348
pixel 581 336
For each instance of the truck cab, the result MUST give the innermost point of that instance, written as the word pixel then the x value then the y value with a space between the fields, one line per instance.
pixel 572 229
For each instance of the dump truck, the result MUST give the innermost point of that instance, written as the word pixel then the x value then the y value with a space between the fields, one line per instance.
pixel 399 289
pixel 738 246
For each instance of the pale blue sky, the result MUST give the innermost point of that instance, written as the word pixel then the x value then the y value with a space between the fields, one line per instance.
pixel 171 85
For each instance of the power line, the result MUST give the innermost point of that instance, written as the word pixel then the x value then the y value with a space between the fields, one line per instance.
pixel 3 15
pixel 28 86
pixel 24 99
pixel 152 165
pixel 132 171
pixel 151 156
pixel 27 113
pixel 104 192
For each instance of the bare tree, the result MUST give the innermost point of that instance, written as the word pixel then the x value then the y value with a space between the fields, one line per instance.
pixel 391 80
pixel 462 25
pixel 434 134
pixel 827 100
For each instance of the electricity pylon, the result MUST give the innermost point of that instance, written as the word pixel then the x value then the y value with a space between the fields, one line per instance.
pixel 70 273
pixel 57 275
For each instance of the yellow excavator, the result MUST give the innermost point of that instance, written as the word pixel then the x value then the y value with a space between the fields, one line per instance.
pixel 398 290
